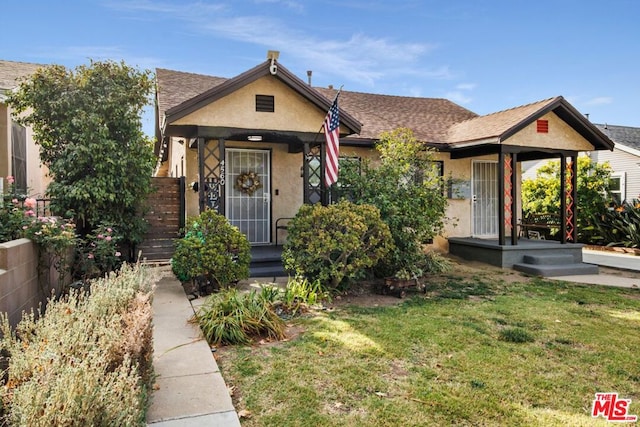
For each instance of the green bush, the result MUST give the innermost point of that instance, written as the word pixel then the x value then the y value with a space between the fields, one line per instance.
pixel 407 188
pixel 231 317
pixel 212 249
pixel 335 242
pixel 86 361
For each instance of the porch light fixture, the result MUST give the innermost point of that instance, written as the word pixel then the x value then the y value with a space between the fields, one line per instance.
pixel 254 138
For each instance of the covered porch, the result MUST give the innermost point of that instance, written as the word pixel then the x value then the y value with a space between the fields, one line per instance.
pixel 550 129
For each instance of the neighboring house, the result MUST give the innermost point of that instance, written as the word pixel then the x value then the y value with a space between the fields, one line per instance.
pixel 19 154
pixel 267 122
pixel 624 161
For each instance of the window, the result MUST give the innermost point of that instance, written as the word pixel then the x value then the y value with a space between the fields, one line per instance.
pixel 617 187
pixel 19 156
pixel 265 103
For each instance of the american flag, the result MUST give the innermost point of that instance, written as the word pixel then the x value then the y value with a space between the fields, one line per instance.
pixel 332 135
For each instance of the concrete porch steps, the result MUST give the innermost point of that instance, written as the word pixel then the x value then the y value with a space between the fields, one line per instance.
pixel 554 265
pixel 266 261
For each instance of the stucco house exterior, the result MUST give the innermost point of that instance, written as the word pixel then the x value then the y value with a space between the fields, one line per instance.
pixel 268 122
pixel 19 154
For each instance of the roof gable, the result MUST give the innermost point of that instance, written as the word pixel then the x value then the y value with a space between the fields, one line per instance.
pixel 497 127
pixel 223 88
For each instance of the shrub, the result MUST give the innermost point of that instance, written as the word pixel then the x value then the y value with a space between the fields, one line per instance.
pixel 211 249
pixel 98 253
pixel 331 243
pixel 436 263
pixel 13 215
pixel 231 317
pixel 301 293
pixel 407 189
pixel 86 361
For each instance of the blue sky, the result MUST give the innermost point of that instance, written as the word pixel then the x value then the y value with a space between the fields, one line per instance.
pixel 486 55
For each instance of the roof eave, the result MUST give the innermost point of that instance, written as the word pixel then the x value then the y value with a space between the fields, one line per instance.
pixel 572 117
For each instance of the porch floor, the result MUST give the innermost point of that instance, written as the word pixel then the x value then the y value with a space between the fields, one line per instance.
pixel 540 257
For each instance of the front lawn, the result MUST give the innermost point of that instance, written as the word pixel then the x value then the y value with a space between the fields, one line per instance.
pixel 476 351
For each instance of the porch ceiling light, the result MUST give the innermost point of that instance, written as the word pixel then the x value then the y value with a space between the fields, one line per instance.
pixel 254 138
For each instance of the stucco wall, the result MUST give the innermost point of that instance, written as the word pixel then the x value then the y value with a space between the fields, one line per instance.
pixel 286 180
pixel 37 179
pixel 560 136
pixel 292 112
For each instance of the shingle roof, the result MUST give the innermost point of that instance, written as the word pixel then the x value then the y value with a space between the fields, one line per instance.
pixel 175 87
pixel 429 118
pixel 433 120
pixel 625 135
pixel 12 72
pixel 496 124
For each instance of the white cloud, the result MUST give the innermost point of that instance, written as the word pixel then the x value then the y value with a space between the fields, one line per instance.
pixel 600 100
pixel 466 86
pixel 458 97
pixel 291 4
pixel 360 58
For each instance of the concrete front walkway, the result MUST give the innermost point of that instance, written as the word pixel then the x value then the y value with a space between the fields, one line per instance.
pixel 189 389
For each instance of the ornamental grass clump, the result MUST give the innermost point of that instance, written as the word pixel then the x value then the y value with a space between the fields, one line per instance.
pixel 86 361
pixel 232 317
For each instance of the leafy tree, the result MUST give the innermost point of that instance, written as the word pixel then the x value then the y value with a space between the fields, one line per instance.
pixel 542 194
pixel 87 122
pixel 407 190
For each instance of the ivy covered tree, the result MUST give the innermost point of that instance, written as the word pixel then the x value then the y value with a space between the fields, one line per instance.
pixel 542 194
pixel 87 122
pixel 407 189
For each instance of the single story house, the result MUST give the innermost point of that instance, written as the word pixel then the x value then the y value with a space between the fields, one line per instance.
pixel 265 124
pixel 19 154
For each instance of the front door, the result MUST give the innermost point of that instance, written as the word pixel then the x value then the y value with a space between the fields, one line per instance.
pixel 248 193
pixel 484 189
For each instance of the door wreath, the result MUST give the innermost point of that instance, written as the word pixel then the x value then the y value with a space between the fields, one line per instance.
pixel 248 182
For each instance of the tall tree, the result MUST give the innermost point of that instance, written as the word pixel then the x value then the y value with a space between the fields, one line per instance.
pixel 87 122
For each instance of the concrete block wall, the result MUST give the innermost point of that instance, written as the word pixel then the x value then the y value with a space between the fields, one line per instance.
pixel 19 287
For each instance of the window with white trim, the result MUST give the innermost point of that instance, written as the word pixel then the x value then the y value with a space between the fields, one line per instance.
pixel 617 187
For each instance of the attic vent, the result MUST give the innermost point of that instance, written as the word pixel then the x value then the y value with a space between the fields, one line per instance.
pixel 265 103
pixel 542 126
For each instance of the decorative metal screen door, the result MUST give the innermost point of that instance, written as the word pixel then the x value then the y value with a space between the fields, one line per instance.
pixel 248 202
pixel 485 200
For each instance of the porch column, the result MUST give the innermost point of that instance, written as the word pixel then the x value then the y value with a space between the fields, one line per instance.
pixel 201 174
pixel 323 186
pixel 563 198
pixel 501 200
pixel 572 195
pixel 514 198
pixel 211 174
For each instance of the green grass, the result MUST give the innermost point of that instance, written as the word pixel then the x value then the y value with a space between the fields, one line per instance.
pixel 444 360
